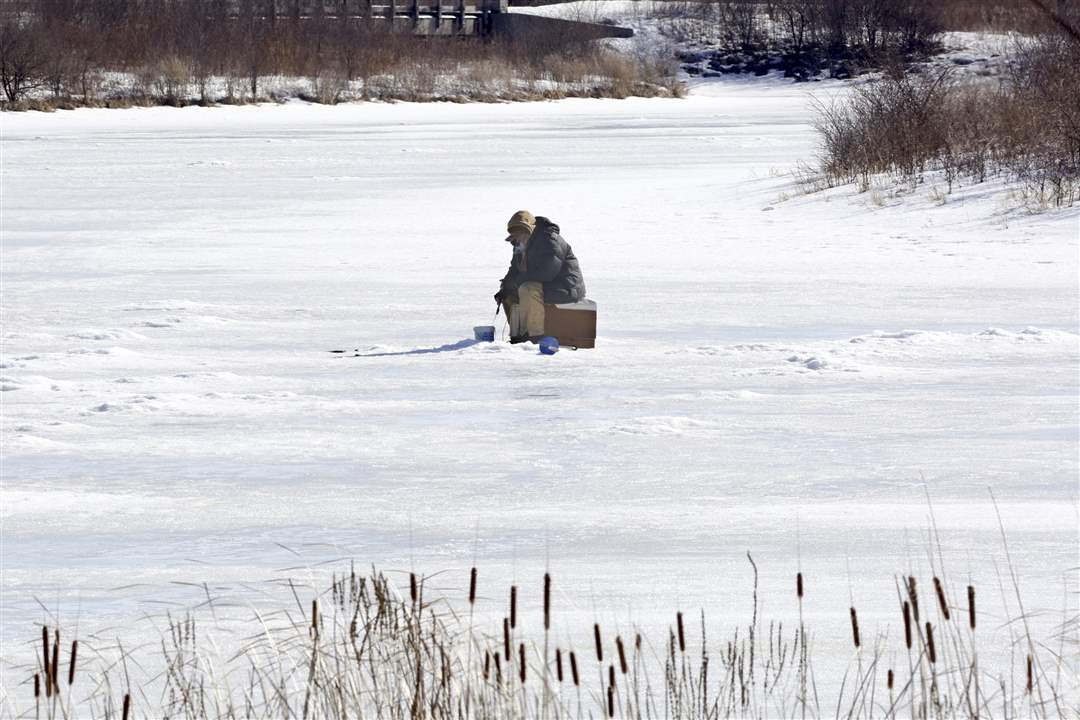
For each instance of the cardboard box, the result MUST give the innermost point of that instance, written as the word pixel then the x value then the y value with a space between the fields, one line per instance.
pixel 572 324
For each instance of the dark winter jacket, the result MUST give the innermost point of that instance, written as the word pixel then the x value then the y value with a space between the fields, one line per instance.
pixel 549 260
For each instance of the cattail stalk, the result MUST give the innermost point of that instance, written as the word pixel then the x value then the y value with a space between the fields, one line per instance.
pixel 127 706
pixel 71 665
pixel 971 607
pixel 889 679
pixel 513 606
pixel 487 665
pixel 682 633
pixel 907 625
pixel 599 646
pixel 573 669
pixel 558 664
pixel 521 662
pixel 472 587
pixel 914 595
pixel 799 585
pixel 930 643
pixel 855 628
pixel 547 601
pixel 941 598
pixel 37 686
pixel 498 669
pixel 413 593
pixel 46 660
pixel 611 701
pixel 1030 675
pixel 506 638
pixel 622 655
pixel 55 664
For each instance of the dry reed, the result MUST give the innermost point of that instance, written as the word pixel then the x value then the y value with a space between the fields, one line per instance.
pixel 370 654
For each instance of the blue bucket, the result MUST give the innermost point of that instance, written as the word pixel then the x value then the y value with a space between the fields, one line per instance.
pixel 549 345
pixel 484 333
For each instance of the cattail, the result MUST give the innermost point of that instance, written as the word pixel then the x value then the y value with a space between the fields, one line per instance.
pixel 413 594
pixel 611 676
pixel 558 664
pixel 498 669
pixel 907 625
pixel 513 606
pixel 573 668
pixel 599 646
pixel 55 671
pixel 1030 675
pixel 930 643
pixel 914 595
pixel 637 642
pixel 941 598
pixel 315 617
pixel 487 665
pixel 472 587
pixel 37 686
pixel 971 606
pixel 798 585
pixel 547 601
pixel 506 638
pixel 46 660
pixel 682 634
pixel 855 628
pixel 127 706
pixel 622 655
pixel 889 679
pixel 521 662
pixel 611 701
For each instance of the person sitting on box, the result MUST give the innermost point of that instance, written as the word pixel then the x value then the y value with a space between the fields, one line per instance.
pixel 543 270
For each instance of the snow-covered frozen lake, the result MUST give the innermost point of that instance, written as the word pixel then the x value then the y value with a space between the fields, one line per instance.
pixel 782 374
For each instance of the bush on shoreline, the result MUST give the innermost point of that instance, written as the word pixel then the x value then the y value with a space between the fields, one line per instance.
pixel 1025 127
pixel 56 54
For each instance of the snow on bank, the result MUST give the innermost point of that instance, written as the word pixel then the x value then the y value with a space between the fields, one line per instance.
pixel 776 373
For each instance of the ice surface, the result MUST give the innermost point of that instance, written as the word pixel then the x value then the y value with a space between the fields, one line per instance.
pixel 778 373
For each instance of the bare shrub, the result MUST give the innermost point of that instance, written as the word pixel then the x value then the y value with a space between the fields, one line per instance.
pixel 796 21
pixel 915 22
pixel 22 64
pixel 893 125
pixel 172 75
pixel 329 85
pixel 739 23
pixel 1026 128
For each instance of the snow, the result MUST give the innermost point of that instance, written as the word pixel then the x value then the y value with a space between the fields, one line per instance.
pixel 786 374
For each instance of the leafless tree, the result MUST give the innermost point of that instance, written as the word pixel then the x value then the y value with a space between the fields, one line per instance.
pixel 21 60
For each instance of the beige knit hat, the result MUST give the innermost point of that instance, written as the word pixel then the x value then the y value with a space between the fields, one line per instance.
pixel 521 219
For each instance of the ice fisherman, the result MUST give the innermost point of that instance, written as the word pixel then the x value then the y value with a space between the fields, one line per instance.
pixel 543 270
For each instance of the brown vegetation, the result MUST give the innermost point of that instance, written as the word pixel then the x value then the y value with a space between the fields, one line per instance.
pixel 1024 127
pixel 362 648
pixel 61 53
pixel 833 28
